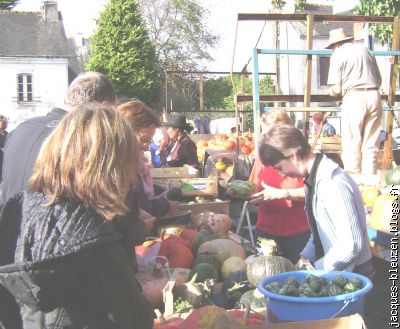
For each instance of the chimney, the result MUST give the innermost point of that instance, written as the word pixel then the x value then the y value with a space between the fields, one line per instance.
pixel 50 11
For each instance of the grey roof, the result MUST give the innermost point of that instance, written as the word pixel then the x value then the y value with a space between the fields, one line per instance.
pixel 26 34
pixel 321 29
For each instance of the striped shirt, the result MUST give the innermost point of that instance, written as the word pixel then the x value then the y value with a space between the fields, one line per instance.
pixel 340 217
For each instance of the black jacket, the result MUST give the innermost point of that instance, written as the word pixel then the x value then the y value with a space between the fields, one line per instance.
pixel 22 148
pixel 67 267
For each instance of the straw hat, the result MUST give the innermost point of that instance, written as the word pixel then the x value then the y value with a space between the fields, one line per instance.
pixel 336 36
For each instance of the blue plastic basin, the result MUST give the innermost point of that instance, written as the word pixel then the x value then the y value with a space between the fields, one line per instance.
pixel 287 308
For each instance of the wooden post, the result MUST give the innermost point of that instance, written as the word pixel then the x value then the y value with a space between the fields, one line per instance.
pixel 387 149
pixel 166 92
pixel 201 91
pixel 308 75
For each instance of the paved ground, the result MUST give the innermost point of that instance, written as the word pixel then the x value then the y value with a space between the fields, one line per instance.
pixel 377 308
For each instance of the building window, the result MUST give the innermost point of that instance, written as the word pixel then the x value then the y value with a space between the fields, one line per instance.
pixel 323 70
pixel 24 88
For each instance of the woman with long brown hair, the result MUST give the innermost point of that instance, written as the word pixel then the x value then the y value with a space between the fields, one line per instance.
pixel 62 257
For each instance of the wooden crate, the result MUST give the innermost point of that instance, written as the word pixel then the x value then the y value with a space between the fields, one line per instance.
pixel 217 206
pixel 331 144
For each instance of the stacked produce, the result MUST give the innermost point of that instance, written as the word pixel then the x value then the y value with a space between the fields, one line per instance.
pixel 211 274
pixel 227 142
pixel 315 286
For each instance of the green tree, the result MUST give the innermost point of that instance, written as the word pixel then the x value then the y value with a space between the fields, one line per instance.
pixel 8 4
pixel 121 49
pixel 215 92
pixel 384 32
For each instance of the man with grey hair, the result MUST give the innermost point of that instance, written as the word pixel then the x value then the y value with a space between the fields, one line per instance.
pixel 23 143
pixel 22 148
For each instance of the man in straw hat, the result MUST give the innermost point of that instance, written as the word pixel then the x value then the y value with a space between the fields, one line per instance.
pixel 354 74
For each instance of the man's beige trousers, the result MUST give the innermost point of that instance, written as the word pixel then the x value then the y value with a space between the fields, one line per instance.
pixel 360 130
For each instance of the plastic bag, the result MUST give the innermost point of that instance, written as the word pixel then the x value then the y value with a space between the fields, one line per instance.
pixel 146 256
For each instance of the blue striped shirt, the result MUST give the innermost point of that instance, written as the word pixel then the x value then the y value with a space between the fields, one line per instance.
pixel 340 217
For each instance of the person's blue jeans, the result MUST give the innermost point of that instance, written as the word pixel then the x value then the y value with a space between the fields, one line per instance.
pixel 288 246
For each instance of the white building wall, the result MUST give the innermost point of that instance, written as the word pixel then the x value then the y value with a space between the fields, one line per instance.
pixel 49 83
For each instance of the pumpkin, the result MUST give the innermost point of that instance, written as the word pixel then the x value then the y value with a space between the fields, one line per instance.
pixel 229 170
pixel 232 264
pixel 202 143
pixel 255 299
pixel 154 282
pixel 202 237
pixel 178 255
pixel 229 145
pixel 369 195
pixel 211 317
pixel 221 166
pixel 392 176
pixel 265 266
pixel 209 259
pixel 382 212
pixel 161 322
pixel 219 224
pixel 223 249
pixel 188 235
pixel 218 298
pixel 203 271
pixel 235 285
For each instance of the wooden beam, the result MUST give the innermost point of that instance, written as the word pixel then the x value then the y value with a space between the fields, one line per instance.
pixel 297 98
pixel 308 72
pixel 387 148
pixel 317 18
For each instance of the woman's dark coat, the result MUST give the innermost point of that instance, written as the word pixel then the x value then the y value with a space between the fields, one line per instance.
pixel 66 267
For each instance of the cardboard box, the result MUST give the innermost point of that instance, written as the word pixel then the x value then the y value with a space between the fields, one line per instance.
pixel 354 321
pixel 175 172
pixel 195 186
pixel 218 206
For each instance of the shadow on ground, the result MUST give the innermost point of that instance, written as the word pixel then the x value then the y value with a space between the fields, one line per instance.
pixel 377 306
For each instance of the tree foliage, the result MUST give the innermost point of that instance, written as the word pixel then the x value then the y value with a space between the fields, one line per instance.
pixel 8 4
pixel 384 32
pixel 179 30
pixel 121 49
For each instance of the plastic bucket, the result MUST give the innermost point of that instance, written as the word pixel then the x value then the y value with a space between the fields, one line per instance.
pixel 287 308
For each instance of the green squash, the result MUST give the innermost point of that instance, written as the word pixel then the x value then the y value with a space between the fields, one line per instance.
pixel 340 280
pixel 235 285
pixel 243 189
pixel 335 290
pixel 202 272
pixel 265 266
pixel 255 299
pixel 209 258
pixel 201 237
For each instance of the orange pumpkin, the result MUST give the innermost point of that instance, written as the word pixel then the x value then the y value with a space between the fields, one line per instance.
pixel 229 145
pixel 202 143
pixel 188 235
pixel 245 150
pixel 178 255
pixel 250 144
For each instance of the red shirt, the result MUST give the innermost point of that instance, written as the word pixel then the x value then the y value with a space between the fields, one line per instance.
pixel 279 217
